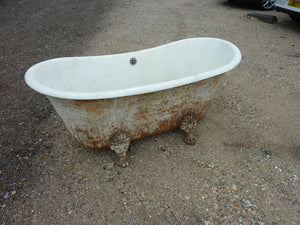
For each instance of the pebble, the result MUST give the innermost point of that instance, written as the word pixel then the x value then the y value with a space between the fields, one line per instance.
pixel 240 220
pixel 70 212
pixel 222 183
pixel 234 187
pixel 163 149
pixel 246 203
pixel 6 195
pixel 209 165
pixel 186 197
pixel 220 198
pixel 269 153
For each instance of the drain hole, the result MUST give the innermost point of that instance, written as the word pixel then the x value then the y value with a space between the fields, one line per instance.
pixel 132 61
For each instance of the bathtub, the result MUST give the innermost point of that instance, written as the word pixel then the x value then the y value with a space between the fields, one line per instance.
pixel 111 100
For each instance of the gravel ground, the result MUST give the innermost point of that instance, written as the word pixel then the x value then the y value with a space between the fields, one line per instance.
pixel 244 168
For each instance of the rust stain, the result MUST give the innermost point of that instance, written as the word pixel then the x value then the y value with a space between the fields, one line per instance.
pixel 97 144
pixel 93 106
pixel 89 138
pixel 79 130
pixel 83 103
pixel 140 115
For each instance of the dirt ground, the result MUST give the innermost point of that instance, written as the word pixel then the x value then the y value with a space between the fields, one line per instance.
pixel 244 168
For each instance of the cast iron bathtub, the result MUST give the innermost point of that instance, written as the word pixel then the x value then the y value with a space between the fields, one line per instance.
pixel 111 100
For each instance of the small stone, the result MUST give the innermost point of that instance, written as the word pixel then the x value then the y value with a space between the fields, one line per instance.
pixel 206 222
pixel 6 195
pixel 234 187
pixel 240 220
pixel 268 152
pixel 163 149
pixel 220 198
pixel 222 183
pixel 70 212
pixel 209 165
pixel 246 203
pixel 13 192
pixel 295 177
pixel 186 197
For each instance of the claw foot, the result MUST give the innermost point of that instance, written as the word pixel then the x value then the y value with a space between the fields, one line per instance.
pixel 187 124
pixel 119 143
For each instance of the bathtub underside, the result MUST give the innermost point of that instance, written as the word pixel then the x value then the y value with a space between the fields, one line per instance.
pixel 95 123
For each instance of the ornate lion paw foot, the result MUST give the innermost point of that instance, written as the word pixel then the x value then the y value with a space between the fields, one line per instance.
pixel 119 143
pixel 187 124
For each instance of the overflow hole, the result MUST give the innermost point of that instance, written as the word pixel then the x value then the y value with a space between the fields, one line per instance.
pixel 132 61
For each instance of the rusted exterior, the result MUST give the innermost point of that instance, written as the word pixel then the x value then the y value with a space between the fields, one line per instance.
pixel 94 122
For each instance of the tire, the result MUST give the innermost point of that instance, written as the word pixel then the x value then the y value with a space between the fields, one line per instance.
pixel 296 19
pixel 266 4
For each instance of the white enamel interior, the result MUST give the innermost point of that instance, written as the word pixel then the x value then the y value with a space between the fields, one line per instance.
pixel 109 76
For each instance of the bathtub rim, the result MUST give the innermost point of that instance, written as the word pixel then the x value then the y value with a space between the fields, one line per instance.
pixel 34 84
